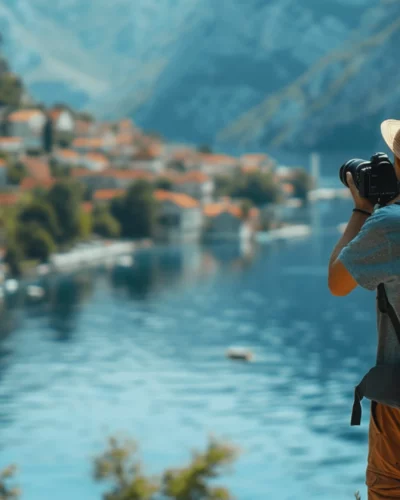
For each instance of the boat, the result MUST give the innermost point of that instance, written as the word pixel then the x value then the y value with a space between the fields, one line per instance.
pixel 240 354
pixel 11 286
pixel 35 292
pixel 284 233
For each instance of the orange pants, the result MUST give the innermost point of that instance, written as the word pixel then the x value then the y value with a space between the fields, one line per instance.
pixel 383 470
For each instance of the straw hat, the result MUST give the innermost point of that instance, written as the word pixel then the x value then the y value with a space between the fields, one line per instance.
pixel 390 130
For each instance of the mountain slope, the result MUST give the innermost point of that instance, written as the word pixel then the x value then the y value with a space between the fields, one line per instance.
pixel 276 74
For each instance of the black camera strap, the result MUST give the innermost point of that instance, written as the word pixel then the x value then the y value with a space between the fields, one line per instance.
pixel 386 307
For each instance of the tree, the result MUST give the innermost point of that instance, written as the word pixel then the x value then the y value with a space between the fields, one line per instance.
pixel 36 241
pixel 65 197
pixel 40 212
pixel 104 224
pixel 164 183
pixel 120 466
pixel 205 149
pixel 15 172
pixel 11 90
pixel 258 187
pixel 302 183
pixel 7 492
pixel 13 259
pixel 136 211
pixel 47 136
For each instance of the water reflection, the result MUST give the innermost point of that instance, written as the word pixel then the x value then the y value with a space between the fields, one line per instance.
pixel 145 353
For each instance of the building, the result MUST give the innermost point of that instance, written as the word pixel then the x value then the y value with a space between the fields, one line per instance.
pixel 257 161
pixel 179 218
pixel 95 161
pixel 28 124
pixel 106 195
pixel 3 173
pixel 196 184
pixel 12 146
pixel 37 168
pixel 151 159
pixel 226 221
pixel 63 125
pixel 218 164
pixel 67 157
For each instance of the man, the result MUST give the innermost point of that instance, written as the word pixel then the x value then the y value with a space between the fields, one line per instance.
pixel 367 254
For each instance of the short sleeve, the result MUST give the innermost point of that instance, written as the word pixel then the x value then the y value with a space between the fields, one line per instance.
pixel 368 256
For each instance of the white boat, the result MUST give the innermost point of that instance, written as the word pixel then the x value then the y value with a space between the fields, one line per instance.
pixel 239 353
pixel 124 261
pixel 11 286
pixel 35 291
pixel 283 233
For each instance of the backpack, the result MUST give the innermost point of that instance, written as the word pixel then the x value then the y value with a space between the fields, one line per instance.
pixel 382 383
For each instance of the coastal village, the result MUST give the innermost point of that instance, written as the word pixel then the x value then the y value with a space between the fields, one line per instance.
pixel 41 146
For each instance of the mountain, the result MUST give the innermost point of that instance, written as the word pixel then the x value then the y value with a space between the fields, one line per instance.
pixel 266 73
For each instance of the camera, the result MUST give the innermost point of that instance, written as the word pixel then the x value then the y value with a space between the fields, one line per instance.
pixel 375 179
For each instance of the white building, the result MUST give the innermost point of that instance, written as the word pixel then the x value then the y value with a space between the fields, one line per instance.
pixel 196 184
pixel 179 218
pixel 28 124
pixel 63 121
pixel 12 146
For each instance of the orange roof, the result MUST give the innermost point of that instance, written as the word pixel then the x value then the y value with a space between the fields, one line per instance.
pixel 82 126
pixel 107 194
pixel 83 172
pixel 29 183
pixel 182 200
pixel 218 159
pixel 67 153
pixel 96 157
pixel 37 168
pixel 124 139
pixel 195 176
pixel 288 188
pixel 215 209
pixel 3 163
pixel 253 157
pixel 10 139
pixel 87 142
pixel 87 206
pixel 23 115
pixel 55 113
pixel 126 123
pixel 8 199
pixel 249 168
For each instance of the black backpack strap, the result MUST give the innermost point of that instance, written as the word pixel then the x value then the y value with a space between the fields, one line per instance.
pixel 386 307
pixel 357 410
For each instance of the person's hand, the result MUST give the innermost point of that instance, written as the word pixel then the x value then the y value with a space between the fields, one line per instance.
pixel 359 201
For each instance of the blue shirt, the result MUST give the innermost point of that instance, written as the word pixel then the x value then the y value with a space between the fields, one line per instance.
pixel 373 257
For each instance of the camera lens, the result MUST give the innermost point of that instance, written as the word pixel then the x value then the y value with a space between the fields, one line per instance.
pixel 353 166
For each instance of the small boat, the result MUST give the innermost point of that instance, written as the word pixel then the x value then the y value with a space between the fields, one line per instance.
pixel 240 354
pixel 35 292
pixel 124 261
pixel 11 286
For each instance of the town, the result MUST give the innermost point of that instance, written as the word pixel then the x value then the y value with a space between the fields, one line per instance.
pixel 66 177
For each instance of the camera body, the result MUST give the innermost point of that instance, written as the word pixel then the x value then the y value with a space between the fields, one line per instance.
pixel 375 180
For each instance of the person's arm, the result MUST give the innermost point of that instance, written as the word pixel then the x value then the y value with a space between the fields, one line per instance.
pixel 340 281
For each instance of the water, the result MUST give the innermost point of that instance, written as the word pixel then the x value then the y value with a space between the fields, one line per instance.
pixel 142 353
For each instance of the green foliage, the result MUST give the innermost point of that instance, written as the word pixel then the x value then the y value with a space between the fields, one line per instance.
pixel 15 172
pixel 59 171
pixel 65 197
pixel 13 259
pixel 120 466
pixel 7 492
pixel 302 183
pixel 136 211
pixel 246 206
pixel 35 241
pixel 85 224
pixel 41 213
pixel 104 224
pixel 205 149
pixel 11 90
pixel 164 183
pixel 258 187
pixel 192 482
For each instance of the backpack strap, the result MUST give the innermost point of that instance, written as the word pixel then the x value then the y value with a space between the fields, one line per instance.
pixel 386 307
